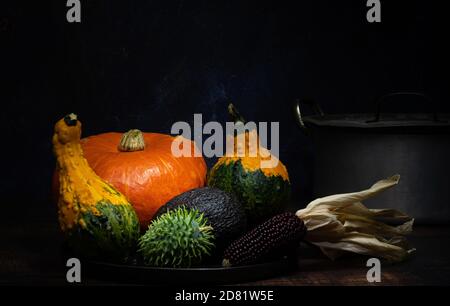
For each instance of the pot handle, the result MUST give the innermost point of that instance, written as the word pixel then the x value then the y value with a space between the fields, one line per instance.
pixel 383 99
pixel 298 114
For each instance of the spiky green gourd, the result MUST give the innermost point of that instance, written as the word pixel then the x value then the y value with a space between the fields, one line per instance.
pixel 179 239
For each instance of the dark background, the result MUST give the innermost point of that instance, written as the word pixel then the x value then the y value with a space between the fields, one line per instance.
pixel 147 64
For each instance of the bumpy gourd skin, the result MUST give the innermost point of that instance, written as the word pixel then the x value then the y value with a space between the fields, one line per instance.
pixel 96 219
pixel 262 191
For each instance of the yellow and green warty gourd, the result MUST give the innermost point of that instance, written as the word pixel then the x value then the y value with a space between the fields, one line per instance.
pixel 263 192
pixel 96 219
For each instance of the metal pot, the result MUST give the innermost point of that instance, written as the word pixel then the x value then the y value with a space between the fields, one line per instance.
pixel 354 150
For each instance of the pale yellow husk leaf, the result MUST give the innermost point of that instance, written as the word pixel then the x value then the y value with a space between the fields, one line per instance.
pixel 341 223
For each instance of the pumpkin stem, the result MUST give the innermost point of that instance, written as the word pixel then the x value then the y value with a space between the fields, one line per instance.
pixel 131 141
pixel 235 114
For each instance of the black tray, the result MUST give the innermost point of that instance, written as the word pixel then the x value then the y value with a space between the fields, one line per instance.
pixel 210 275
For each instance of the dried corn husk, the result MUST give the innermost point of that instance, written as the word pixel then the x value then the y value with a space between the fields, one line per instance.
pixel 341 223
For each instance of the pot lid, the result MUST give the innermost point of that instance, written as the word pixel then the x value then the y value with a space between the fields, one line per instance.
pixel 386 120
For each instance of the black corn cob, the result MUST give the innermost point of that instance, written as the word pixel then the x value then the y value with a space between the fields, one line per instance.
pixel 275 237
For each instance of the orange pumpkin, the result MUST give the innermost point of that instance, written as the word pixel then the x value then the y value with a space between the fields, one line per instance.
pixel 142 167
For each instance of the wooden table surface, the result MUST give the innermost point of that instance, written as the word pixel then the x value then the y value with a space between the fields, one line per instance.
pixel 31 254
